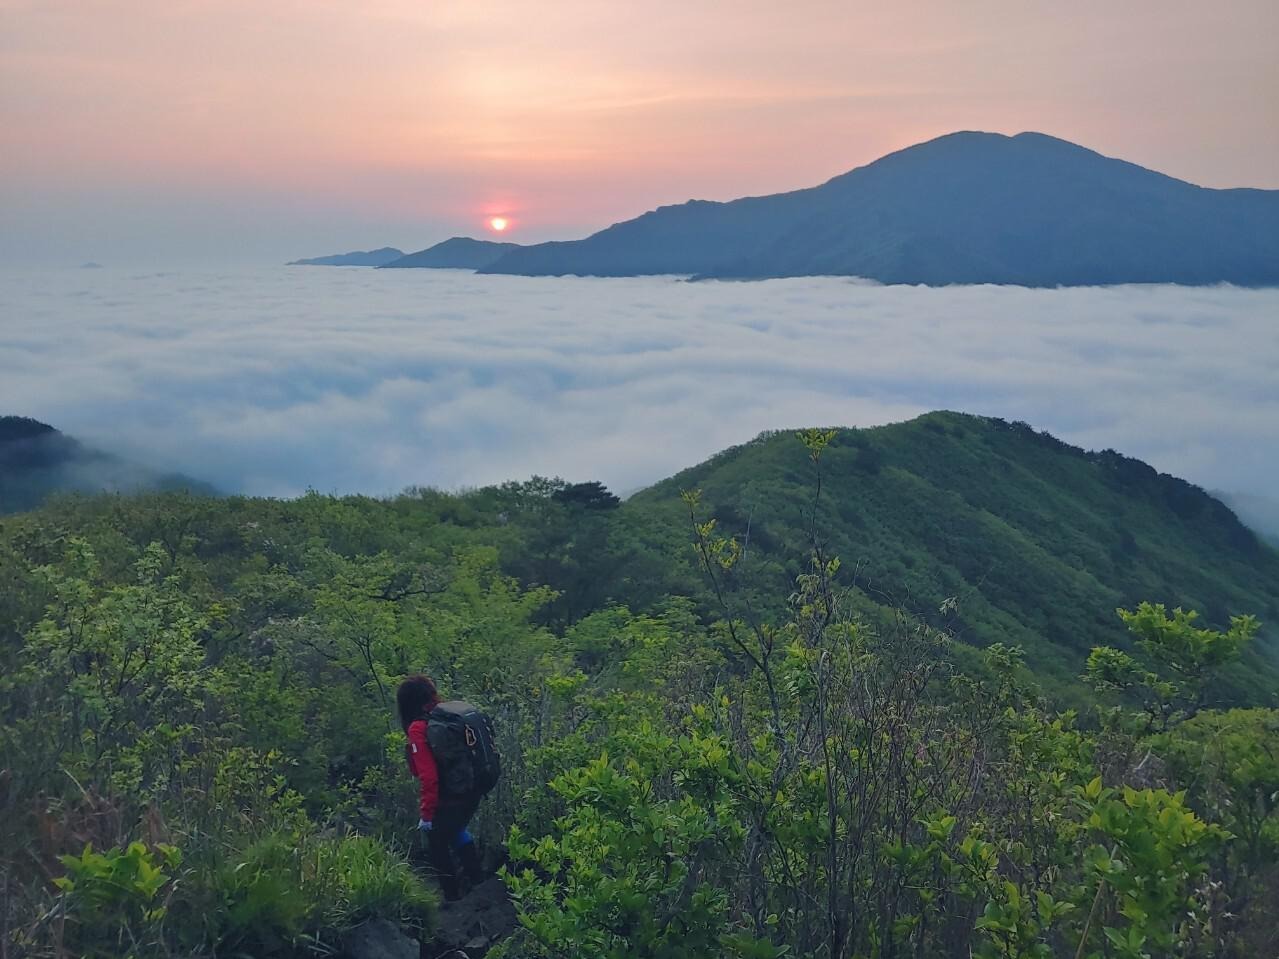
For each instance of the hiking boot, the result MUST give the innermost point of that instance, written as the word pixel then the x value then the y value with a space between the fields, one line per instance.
pixel 469 854
pixel 451 888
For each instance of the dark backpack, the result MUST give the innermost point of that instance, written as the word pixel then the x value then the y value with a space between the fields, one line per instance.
pixel 461 740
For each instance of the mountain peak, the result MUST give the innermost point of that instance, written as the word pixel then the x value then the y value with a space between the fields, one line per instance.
pixel 455 253
pixel 987 144
pixel 16 428
pixel 969 207
pixel 37 460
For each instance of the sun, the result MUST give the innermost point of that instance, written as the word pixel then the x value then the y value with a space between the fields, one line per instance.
pixel 498 224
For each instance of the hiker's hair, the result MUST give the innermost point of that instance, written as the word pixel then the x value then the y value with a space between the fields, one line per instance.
pixel 414 696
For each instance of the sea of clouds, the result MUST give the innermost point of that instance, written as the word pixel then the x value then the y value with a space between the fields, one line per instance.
pixel 277 380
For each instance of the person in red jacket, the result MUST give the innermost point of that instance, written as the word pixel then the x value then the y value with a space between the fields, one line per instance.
pixel 443 823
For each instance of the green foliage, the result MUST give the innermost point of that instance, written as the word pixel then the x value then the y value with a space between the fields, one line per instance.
pixel 1229 765
pixel 284 891
pixel 1177 644
pixel 1158 849
pixel 989 530
pixel 114 673
pixel 1013 925
pixel 112 901
pixel 815 733
pixel 627 872
pixel 1184 658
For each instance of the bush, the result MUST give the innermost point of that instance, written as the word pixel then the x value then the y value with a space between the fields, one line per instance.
pixel 111 901
pixel 283 892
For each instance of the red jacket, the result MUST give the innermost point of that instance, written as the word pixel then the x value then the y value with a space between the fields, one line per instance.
pixel 422 762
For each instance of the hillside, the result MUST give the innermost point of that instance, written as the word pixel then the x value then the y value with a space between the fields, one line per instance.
pixel 965 208
pixel 1038 541
pixel 37 460
pixel 377 257
pixel 457 253
pixel 217 680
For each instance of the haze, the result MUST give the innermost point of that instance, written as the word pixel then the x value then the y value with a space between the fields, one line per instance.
pixel 194 132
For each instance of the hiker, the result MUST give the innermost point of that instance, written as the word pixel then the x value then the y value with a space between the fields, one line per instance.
pixel 450 750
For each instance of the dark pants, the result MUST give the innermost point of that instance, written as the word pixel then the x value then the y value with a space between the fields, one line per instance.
pixel 448 843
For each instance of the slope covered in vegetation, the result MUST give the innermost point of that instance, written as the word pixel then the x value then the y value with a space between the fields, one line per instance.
pixel 712 748
pixel 1036 541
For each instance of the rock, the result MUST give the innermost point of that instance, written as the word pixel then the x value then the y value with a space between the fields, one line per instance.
pixel 474 924
pixel 379 939
pixel 1150 773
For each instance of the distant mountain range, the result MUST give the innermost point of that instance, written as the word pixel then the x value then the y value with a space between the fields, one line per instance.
pixel 457 253
pixel 37 461
pixel 965 208
pixel 1028 209
pixel 378 257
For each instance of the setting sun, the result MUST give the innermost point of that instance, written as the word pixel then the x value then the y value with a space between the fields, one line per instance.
pixel 498 224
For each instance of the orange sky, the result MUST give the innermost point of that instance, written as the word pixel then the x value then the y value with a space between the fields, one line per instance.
pixel 307 123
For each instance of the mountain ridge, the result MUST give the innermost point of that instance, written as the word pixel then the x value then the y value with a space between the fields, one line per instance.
pixel 1035 540
pixel 455 253
pixel 967 207
pixel 37 461
pixel 378 257
pixel 976 525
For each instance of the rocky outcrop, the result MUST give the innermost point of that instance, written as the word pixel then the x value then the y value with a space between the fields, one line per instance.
pixel 379 939
pixel 470 928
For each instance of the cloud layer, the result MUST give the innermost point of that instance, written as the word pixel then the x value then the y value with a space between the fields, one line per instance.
pixel 273 381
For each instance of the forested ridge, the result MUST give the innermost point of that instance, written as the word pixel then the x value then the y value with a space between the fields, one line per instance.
pixel 1038 541
pixel 37 461
pixel 846 693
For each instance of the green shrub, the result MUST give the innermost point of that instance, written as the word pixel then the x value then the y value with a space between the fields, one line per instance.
pixel 1229 764
pixel 282 892
pixel 372 884
pixel 112 899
